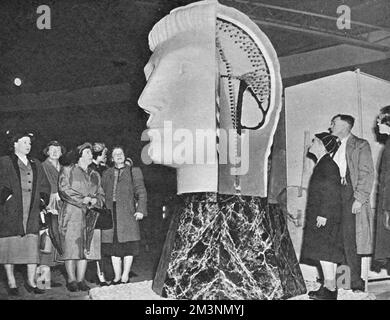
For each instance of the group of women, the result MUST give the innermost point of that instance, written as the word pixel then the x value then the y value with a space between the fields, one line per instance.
pixel 69 191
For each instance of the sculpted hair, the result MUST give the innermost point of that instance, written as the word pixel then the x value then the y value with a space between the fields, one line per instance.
pixel 191 17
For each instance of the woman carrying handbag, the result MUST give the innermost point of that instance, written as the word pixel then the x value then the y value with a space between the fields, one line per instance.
pixel 80 189
pixel 53 151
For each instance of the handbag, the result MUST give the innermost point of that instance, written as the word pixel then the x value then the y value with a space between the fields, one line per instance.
pixel 45 244
pixel 104 217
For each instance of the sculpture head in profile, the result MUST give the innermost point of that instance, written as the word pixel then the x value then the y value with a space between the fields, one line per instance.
pixel 214 94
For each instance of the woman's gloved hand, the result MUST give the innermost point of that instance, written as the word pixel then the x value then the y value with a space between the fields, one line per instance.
pixel 93 202
pixel 87 200
pixel 5 194
pixel 138 216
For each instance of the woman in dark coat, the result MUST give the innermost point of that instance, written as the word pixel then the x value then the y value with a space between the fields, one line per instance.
pixel 126 196
pixel 321 242
pixel 382 240
pixel 100 267
pixel 53 150
pixel 23 184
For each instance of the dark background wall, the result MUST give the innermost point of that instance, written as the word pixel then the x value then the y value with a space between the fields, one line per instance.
pixel 90 44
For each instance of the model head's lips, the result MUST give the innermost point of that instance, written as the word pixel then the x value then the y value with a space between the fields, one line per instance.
pixel 151 112
pixel 150 131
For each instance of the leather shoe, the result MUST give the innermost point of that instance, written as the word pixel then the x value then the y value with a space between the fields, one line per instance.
pixel 72 286
pixel 13 292
pixel 103 284
pixel 114 283
pixel 325 294
pixel 83 286
pixel 316 292
pixel 34 290
pixel 361 287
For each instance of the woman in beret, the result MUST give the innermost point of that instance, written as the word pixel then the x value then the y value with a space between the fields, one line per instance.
pixel 322 233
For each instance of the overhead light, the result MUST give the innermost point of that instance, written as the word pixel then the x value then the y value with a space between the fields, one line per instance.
pixel 17 82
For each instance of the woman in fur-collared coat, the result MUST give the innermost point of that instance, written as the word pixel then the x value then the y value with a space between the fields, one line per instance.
pixel 125 195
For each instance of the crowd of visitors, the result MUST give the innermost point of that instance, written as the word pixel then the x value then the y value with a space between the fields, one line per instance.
pixel 66 204
pixel 41 202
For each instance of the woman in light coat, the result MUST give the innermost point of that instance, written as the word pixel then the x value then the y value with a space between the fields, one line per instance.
pixel 79 187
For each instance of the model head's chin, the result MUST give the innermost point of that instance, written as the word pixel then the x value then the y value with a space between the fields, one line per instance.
pixel 171 165
pixel 158 158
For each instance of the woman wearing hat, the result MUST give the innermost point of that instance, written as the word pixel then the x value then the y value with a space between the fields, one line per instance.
pixel 321 240
pixel 53 151
pixel 127 198
pixel 95 270
pixel 23 184
pixel 79 187
pixel 382 240
pixel 99 157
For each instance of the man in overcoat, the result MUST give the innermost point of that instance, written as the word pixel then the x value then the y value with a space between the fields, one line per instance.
pixel 357 177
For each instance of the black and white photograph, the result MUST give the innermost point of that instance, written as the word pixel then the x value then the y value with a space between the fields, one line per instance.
pixel 212 151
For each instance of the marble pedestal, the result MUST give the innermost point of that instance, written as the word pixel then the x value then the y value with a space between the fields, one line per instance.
pixel 228 247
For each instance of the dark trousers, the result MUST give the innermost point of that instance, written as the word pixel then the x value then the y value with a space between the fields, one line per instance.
pixel 348 225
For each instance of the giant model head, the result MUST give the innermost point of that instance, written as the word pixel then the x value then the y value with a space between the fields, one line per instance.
pixel 214 94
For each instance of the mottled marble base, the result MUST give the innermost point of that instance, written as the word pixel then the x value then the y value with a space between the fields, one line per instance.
pixel 228 247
